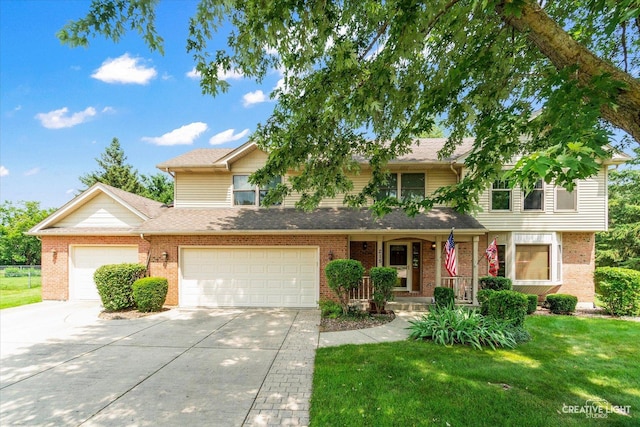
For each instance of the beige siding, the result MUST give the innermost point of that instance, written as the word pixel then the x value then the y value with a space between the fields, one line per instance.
pixel 101 211
pixel 250 163
pixel 437 178
pixel 203 190
pixel 359 182
pixel 591 214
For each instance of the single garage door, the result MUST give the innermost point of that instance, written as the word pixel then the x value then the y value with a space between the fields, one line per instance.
pixel 249 277
pixel 85 260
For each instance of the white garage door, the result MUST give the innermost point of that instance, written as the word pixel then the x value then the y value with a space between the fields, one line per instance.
pixel 249 277
pixel 85 260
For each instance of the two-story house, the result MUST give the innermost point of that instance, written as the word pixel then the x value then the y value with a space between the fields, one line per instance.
pixel 218 247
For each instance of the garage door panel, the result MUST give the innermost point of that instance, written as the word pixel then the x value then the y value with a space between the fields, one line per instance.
pixel 85 260
pixel 260 277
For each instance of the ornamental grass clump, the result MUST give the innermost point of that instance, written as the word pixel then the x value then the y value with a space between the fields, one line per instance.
pixel 459 325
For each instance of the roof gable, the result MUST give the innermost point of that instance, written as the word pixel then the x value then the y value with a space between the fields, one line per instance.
pixel 103 206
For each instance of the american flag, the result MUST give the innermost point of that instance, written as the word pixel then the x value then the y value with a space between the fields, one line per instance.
pixel 450 262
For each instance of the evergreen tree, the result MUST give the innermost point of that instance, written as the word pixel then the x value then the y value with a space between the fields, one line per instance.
pixel 114 171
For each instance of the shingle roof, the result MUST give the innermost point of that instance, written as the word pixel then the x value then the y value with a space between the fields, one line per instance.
pixel 424 150
pixel 233 220
pixel 149 208
pixel 196 158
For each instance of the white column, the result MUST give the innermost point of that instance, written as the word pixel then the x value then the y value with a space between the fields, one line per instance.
pixel 379 254
pixel 438 261
pixel 474 271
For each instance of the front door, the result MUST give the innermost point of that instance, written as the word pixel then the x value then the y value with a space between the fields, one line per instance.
pixel 399 257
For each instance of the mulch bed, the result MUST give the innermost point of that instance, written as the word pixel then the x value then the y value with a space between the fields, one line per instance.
pixel 342 324
pixel 126 314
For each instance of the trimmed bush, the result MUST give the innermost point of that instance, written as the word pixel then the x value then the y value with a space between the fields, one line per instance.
pixel 444 297
pixel 114 284
pixel 483 300
pixel 532 303
pixel 562 303
pixel 383 280
pixel 459 325
pixel 149 293
pixel 510 306
pixel 619 290
pixel 343 275
pixel 329 308
pixel 495 283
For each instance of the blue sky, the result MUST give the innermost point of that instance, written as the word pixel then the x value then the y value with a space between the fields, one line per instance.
pixel 60 107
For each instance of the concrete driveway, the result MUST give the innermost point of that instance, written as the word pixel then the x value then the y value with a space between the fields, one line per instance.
pixel 63 366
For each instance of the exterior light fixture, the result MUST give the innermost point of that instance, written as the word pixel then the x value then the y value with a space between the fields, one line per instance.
pixel 330 255
pixel 165 256
pixel 364 246
pixel 433 246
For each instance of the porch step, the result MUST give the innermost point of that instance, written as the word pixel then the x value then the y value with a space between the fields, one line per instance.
pixel 408 306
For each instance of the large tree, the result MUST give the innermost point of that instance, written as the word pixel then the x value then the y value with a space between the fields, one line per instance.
pixel 620 246
pixel 361 78
pixel 114 171
pixel 15 220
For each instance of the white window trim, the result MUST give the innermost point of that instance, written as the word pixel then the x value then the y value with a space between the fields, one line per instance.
pixel 551 239
pixel 544 196
pixel 555 199
pixel 256 192
pixel 491 190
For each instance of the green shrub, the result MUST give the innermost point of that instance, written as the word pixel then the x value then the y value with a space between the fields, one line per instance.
pixel 444 297
pixel 532 303
pixel 383 280
pixel 458 325
pixel 13 272
pixel 114 284
pixel 329 308
pixel 483 300
pixel 510 306
pixel 149 293
pixel 495 283
pixel 619 290
pixel 343 275
pixel 562 303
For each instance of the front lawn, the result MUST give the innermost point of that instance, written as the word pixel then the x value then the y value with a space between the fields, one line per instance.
pixel 572 364
pixel 15 291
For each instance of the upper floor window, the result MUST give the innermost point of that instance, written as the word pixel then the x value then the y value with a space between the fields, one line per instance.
pixel 534 200
pixel 501 196
pixel 407 185
pixel 244 193
pixel 566 200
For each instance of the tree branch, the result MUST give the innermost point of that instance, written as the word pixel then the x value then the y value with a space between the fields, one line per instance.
pixel 563 51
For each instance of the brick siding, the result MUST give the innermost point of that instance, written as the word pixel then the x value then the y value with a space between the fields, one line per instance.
pixel 578 264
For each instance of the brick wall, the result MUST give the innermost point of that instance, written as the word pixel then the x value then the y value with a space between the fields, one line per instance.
pixel 578 263
pixel 55 259
pixel 170 244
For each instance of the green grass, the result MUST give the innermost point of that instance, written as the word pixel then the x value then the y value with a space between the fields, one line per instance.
pixel 568 361
pixel 15 291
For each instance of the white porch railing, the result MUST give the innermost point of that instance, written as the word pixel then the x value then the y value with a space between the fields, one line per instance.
pixel 462 288
pixel 364 291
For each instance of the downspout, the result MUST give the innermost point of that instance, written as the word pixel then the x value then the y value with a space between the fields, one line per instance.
pixel 148 255
pixel 454 171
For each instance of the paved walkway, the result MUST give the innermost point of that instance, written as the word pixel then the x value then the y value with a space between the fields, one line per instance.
pixel 63 366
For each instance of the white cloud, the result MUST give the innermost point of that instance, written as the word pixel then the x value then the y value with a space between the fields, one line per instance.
pixel 125 70
pixel 227 136
pixel 4 171
pixel 193 74
pixel 254 98
pixel 18 108
pixel 108 110
pixel 59 119
pixel 33 171
pixel 184 135
pixel 232 74
pixel 70 191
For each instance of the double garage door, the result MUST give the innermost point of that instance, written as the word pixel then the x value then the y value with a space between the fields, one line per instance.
pixel 249 277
